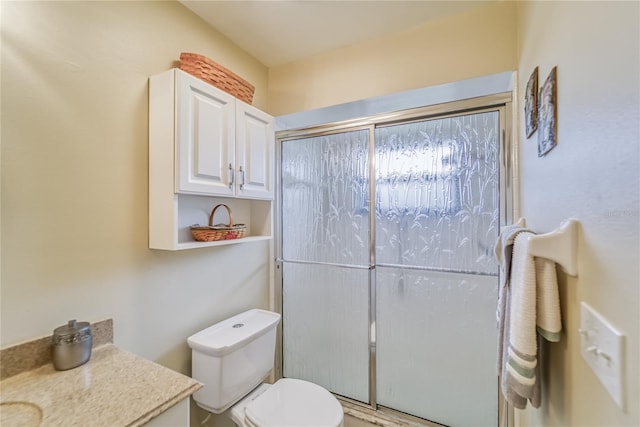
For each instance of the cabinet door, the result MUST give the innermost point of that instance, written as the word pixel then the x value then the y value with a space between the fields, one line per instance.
pixel 255 142
pixel 205 138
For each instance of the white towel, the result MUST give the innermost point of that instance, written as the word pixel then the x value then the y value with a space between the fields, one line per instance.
pixel 548 318
pixel 529 303
pixel 504 255
pixel 503 251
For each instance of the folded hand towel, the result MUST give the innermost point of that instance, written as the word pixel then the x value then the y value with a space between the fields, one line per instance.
pixel 521 359
pixel 548 320
pixel 503 252
pixel 528 303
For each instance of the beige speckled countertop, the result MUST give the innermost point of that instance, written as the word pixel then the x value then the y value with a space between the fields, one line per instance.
pixel 115 388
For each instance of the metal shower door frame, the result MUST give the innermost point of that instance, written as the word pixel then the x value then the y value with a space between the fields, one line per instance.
pixel 501 103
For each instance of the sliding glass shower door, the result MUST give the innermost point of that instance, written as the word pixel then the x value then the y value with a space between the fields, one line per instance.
pixel 389 285
pixel 437 219
pixel 325 267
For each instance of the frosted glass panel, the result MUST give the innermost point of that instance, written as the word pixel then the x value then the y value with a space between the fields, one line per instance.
pixel 325 327
pixel 325 198
pixel 436 352
pixel 437 193
pixel 437 207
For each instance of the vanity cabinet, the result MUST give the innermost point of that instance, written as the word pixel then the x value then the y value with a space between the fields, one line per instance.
pixel 206 148
pixel 176 416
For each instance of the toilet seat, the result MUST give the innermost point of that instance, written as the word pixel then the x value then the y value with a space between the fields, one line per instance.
pixel 294 403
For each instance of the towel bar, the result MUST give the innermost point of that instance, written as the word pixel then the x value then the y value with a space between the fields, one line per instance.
pixel 559 245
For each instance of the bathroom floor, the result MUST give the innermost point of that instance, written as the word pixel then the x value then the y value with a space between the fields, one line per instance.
pixel 350 421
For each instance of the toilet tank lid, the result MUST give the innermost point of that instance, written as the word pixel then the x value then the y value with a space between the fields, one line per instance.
pixel 227 335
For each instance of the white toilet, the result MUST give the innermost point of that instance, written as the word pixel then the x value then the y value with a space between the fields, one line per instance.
pixel 233 357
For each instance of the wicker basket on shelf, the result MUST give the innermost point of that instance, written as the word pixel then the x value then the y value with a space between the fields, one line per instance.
pixel 212 233
pixel 213 73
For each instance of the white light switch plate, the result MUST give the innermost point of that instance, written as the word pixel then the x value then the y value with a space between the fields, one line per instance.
pixel 602 347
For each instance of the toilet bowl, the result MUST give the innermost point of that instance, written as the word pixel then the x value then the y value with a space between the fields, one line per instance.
pixel 288 402
pixel 233 357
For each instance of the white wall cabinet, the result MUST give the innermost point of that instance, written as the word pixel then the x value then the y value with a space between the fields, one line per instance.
pixel 255 142
pixel 206 148
pixel 205 135
pixel 224 146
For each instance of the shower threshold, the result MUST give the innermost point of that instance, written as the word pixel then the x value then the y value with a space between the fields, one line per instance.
pixel 382 416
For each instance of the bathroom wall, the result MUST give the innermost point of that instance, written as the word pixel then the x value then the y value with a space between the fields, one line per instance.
pixel 74 167
pixel 74 179
pixel 479 42
pixel 593 175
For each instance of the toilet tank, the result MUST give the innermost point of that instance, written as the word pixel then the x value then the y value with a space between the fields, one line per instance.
pixel 232 357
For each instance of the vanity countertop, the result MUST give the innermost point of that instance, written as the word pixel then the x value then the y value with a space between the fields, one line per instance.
pixel 115 388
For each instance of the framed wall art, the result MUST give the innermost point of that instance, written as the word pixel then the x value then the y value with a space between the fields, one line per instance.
pixel 531 104
pixel 547 114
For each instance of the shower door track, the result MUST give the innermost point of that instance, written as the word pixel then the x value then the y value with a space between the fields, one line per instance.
pixel 387 415
pixel 500 103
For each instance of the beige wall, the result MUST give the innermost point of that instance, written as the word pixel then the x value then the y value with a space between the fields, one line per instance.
pixel 476 43
pixel 74 179
pixel 592 175
pixel 74 167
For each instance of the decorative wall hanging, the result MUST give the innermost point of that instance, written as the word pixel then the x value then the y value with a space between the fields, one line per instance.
pixel 547 115
pixel 531 103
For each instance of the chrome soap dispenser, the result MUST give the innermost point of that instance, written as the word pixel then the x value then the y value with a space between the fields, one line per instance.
pixel 71 345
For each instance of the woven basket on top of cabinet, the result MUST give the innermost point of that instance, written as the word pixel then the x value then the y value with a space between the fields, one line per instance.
pixel 215 74
pixel 212 233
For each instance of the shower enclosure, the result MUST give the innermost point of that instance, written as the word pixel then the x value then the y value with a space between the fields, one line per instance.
pixel 387 278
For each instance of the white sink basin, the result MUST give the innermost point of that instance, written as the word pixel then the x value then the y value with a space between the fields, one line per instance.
pixel 18 413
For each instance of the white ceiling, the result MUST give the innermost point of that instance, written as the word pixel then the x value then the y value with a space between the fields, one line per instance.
pixel 277 32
